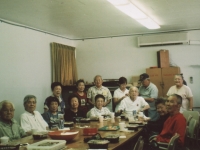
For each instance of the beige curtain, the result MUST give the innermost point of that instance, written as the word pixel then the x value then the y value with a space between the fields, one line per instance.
pixel 63 64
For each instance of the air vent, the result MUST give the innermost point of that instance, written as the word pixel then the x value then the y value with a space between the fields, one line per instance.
pixel 163 39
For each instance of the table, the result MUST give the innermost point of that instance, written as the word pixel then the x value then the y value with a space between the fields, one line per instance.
pixel 78 144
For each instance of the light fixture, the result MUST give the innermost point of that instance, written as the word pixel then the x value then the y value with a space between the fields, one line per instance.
pixel 131 10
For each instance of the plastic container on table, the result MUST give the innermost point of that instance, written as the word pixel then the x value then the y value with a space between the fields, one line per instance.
pixel 47 145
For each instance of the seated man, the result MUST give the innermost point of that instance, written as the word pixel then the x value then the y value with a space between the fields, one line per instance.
pixel 32 119
pixel 133 102
pixel 8 125
pixel 176 123
pixel 98 109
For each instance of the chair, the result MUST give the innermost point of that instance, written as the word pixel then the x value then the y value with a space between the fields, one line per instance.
pixel 171 145
pixel 194 114
pixel 192 129
pixel 167 146
pixel 139 144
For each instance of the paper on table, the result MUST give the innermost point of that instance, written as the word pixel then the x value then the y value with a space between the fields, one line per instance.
pixel 64 129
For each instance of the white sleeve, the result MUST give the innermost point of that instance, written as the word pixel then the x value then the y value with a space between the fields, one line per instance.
pixel 143 102
pixel 122 105
pixel 92 113
pixel 189 92
pixel 25 123
pixel 115 94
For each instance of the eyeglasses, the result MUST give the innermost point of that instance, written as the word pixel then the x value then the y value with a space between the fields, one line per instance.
pixel 7 111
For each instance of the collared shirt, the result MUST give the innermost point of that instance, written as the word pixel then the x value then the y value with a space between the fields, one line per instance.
pixel 128 105
pixel 118 93
pixel 185 92
pixel 31 121
pixel 13 130
pixel 149 92
pixel 93 91
pixel 95 112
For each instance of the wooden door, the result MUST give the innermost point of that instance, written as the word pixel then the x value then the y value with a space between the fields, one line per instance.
pixel 156 78
pixel 168 77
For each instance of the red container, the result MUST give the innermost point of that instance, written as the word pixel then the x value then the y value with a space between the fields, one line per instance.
pixel 89 131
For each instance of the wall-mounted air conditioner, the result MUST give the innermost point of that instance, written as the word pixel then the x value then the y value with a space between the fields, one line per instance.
pixel 178 38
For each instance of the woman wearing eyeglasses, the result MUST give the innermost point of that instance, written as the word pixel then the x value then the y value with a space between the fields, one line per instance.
pixel 8 125
pixel 32 119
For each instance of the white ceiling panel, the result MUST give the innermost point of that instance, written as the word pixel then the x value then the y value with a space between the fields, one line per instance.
pixel 81 19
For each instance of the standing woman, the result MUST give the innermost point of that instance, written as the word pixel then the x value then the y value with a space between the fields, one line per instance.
pixel 120 93
pixel 184 91
pixel 80 85
pixel 73 110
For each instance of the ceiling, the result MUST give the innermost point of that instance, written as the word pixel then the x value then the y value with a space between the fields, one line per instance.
pixel 82 19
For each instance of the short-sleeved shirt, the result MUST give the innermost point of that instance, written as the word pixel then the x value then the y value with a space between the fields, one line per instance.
pixel 150 92
pixel 31 121
pixel 49 117
pixel 95 112
pixel 185 92
pixel 93 91
pixel 129 105
pixel 13 131
pixel 118 93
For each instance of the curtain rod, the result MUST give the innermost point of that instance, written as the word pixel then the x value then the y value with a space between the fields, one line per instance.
pixel 98 37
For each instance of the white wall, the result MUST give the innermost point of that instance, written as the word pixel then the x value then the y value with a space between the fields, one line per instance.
pixel 25 65
pixel 116 57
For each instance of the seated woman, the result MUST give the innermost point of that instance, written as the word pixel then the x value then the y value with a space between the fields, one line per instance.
pixel 155 127
pixel 80 85
pixel 32 119
pixel 51 116
pixel 73 111
pixel 8 125
pixel 98 109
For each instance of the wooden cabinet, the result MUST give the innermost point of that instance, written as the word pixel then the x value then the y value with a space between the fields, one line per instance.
pixel 163 78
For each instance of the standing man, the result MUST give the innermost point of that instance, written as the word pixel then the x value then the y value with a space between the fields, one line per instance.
pixel 99 89
pixel 149 92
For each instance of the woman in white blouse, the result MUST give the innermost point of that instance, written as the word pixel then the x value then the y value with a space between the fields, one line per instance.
pixel 182 90
pixel 32 119
pixel 98 109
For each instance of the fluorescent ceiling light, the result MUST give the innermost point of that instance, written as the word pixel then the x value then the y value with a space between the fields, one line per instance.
pixel 149 23
pixel 131 10
pixel 119 2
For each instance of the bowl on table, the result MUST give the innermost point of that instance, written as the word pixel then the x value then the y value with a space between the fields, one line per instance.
pixel 63 135
pixel 40 135
pixel 98 144
pixel 112 138
pixel 132 127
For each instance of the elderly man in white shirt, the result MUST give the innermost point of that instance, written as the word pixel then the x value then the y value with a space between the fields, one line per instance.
pixel 133 102
pixel 32 119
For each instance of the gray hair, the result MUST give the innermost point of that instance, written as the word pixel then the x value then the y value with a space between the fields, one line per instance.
pixel 178 97
pixel 133 87
pixel 28 97
pixel 2 103
pixel 98 76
